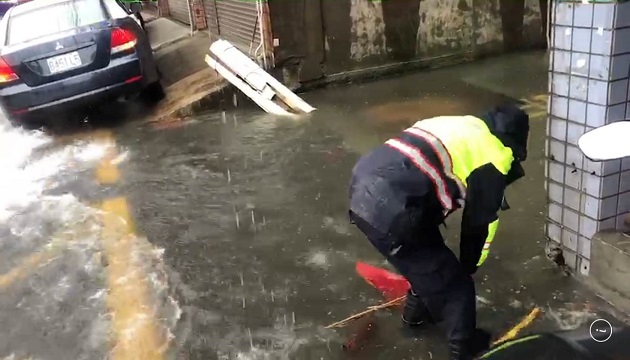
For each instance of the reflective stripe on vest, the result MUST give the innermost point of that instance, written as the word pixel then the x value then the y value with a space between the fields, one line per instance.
pixel 418 159
pixel 442 154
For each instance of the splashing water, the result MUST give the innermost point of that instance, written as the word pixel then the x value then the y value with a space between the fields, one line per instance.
pixel 53 267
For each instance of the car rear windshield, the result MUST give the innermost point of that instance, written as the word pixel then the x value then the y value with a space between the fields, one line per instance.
pixel 52 19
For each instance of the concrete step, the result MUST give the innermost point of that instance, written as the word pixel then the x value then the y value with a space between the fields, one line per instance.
pixel 610 268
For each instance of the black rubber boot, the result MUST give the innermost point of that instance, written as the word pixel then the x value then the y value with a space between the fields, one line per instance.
pixel 415 312
pixel 467 350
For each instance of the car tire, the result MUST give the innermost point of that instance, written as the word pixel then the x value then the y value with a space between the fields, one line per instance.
pixel 27 123
pixel 153 93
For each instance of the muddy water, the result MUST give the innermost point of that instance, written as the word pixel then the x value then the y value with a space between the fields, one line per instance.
pixel 242 235
pixel 251 211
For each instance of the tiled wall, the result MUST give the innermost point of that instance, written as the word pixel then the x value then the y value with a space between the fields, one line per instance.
pixel 589 86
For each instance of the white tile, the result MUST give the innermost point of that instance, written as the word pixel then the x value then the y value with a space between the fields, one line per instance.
pixel 573 177
pixel 574 156
pixel 583 15
pixel 555 213
pixel 624 183
pixel 570 220
pixel 579 88
pixel 599 67
pixel 584 247
pixel 603 15
pixel 588 226
pixel 559 107
pixel 577 111
pixel 585 266
pixel 563 14
pixel 601 42
pixel 562 37
pixel 560 85
pixel 554 232
pixel 618 92
pixel 556 172
pixel 597 91
pixel 622 45
pixel 581 40
pixel 595 115
pixel 558 129
pixel 570 238
pixel 574 131
pixel 590 206
pixel 556 150
pixel 555 192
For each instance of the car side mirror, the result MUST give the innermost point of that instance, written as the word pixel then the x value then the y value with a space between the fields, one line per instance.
pixel 608 142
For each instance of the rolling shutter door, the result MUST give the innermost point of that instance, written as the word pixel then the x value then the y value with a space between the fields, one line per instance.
pixel 179 10
pixel 237 23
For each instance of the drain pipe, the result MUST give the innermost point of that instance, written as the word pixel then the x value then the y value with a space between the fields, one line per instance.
pixel 190 18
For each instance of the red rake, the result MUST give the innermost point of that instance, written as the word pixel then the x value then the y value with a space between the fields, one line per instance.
pixel 393 287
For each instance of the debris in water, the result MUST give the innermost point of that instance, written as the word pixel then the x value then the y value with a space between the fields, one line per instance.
pixel 430 355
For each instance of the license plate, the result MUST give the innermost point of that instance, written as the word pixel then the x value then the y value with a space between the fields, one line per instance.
pixel 64 62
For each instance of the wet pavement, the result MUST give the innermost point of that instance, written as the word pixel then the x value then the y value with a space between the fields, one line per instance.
pixel 225 236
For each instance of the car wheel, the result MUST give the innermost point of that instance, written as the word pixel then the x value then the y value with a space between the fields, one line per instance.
pixel 153 93
pixel 27 123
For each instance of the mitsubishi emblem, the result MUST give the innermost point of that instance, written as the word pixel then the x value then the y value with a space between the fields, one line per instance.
pixel 58 46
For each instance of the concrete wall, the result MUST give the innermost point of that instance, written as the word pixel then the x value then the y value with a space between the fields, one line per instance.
pixel 320 38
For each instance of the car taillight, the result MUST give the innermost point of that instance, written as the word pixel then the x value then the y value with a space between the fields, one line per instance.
pixel 6 72
pixel 122 40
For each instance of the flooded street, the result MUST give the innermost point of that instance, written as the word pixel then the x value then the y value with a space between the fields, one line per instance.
pixel 226 236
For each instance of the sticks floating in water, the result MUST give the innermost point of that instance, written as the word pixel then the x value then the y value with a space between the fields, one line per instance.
pixel 369 310
pixel 526 321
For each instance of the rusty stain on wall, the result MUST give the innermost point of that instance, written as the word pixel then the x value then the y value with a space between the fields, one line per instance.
pixel 367 29
pixel 488 17
pixel 445 27
pixel 322 38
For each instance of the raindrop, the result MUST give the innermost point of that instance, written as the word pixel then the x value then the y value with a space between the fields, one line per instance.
pixel 243 303
pixel 264 221
pixel 234 100
pixel 293 316
pixel 235 122
pixel 285 319
pixel 272 297
pixel 242 280
pixel 223 119
pixel 261 155
pixel 229 176
pixel 245 162
pixel 251 340
pixel 253 221
pixel 238 223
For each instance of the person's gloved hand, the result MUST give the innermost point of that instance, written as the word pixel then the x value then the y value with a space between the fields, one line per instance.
pixel 469 267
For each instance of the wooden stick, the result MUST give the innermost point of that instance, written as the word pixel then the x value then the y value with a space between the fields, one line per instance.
pixel 369 310
pixel 520 326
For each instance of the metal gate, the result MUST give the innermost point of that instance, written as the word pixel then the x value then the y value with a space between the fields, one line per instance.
pixel 178 10
pixel 235 21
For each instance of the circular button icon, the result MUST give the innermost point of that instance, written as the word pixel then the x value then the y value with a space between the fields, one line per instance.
pixel 601 330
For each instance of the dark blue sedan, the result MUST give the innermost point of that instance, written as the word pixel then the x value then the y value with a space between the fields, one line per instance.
pixel 60 57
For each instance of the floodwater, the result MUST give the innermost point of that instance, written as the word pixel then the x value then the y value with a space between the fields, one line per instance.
pixel 225 236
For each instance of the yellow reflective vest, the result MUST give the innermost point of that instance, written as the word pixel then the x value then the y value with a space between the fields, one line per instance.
pixel 470 145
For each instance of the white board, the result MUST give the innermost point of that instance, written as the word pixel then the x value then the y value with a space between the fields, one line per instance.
pixel 608 142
